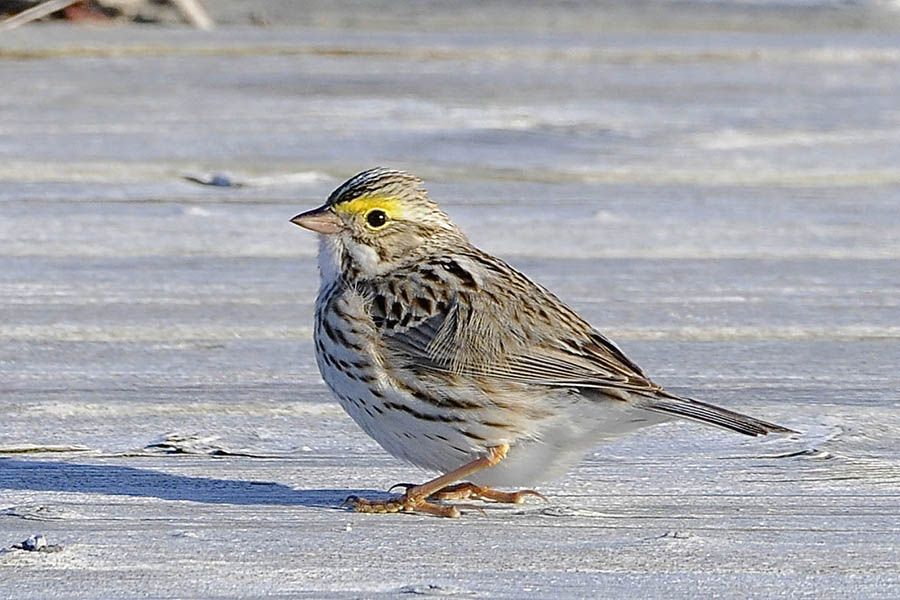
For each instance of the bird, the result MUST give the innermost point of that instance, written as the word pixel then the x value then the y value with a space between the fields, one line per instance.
pixel 456 362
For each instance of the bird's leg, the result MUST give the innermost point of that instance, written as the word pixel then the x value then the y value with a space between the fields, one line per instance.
pixel 466 490
pixel 414 499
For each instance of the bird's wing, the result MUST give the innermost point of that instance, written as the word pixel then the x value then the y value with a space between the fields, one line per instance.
pixel 475 316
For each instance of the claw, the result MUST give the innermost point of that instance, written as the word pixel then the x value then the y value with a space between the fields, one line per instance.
pixel 520 496
pixel 406 486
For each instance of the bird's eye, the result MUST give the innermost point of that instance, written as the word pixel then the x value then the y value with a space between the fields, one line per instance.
pixel 376 218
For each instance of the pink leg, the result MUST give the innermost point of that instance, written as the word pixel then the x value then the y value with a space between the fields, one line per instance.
pixel 466 490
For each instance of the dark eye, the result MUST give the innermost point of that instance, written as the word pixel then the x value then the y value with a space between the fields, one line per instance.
pixel 376 218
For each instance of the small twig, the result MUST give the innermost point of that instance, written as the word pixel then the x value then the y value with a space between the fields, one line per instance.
pixel 35 12
pixel 194 14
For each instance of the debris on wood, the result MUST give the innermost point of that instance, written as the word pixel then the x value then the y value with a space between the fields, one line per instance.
pixel 20 12
pixel 37 543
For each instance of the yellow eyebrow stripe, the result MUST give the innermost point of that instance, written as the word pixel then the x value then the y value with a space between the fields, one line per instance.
pixel 364 204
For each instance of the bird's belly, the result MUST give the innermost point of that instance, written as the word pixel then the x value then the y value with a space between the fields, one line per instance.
pixel 407 427
pixel 400 425
pixel 440 426
pixel 441 439
pixel 561 441
pixel 401 419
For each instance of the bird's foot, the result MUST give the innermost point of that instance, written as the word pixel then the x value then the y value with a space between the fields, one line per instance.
pixel 405 503
pixel 416 497
pixel 466 490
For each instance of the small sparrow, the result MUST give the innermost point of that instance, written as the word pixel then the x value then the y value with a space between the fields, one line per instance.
pixel 460 364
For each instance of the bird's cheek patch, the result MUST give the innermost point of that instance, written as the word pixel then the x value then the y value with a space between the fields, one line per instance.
pixel 365 256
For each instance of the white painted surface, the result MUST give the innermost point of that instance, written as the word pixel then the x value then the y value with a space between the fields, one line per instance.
pixel 723 206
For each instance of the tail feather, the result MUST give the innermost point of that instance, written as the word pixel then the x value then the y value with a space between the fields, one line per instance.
pixel 687 408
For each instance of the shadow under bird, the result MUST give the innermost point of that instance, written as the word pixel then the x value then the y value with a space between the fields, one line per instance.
pixel 458 363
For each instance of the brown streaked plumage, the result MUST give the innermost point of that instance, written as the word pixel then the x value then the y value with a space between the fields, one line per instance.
pixel 453 360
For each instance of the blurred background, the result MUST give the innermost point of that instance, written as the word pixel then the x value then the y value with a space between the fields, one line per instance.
pixel 715 184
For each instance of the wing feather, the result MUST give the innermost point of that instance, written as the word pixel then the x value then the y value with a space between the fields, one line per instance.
pixel 495 323
pixel 508 328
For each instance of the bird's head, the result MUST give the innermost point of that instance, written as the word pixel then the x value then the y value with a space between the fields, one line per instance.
pixel 378 220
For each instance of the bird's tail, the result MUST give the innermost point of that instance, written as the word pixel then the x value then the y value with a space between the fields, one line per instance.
pixel 687 408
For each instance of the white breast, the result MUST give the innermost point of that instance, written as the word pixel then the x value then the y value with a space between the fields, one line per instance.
pixel 404 425
pixel 440 439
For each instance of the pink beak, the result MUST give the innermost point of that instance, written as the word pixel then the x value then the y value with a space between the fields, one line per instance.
pixel 320 220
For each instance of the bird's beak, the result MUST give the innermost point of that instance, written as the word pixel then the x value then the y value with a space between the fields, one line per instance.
pixel 320 220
